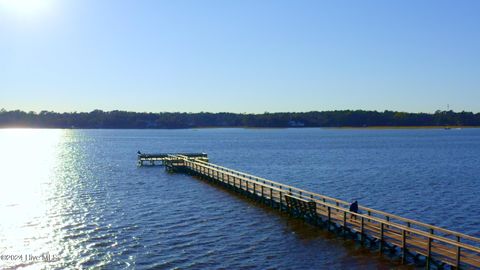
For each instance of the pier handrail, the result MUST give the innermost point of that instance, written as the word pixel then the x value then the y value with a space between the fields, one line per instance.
pixel 388 216
pixel 342 209
pixel 398 226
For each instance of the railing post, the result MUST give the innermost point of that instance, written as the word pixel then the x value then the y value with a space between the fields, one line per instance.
pixel 429 252
pixel 362 230
pixel 458 254
pixel 404 247
pixel 344 222
pixel 381 236
pixel 271 194
pixel 329 211
pixel 281 201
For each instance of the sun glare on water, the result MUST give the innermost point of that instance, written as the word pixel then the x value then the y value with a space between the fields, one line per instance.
pixel 28 160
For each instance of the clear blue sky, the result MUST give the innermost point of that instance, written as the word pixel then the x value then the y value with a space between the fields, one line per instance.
pixel 239 56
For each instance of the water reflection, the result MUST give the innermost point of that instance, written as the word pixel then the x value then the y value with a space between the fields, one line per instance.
pixel 77 194
pixel 28 160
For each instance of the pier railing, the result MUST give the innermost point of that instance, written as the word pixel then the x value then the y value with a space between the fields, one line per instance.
pixel 368 211
pixel 448 247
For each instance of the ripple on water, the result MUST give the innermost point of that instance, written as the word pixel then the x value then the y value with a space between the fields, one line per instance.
pixel 105 213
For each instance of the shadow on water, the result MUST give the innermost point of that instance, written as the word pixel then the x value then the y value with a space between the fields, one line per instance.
pixel 310 234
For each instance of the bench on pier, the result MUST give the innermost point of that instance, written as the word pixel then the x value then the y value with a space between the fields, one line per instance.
pixel 300 206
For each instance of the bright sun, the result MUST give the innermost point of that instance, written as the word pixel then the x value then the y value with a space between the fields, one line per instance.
pixel 26 8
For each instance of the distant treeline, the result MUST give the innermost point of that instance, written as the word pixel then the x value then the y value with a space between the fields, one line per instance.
pixel 124 119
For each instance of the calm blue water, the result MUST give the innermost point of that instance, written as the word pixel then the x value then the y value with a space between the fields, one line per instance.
pixel 78 196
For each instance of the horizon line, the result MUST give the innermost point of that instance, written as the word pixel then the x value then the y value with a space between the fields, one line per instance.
pixel 3 110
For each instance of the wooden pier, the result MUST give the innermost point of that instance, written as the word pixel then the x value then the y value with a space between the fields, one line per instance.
pixel 414 241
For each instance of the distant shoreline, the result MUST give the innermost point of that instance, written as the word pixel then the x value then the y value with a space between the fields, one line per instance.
pixel 358 119
pixel 408 127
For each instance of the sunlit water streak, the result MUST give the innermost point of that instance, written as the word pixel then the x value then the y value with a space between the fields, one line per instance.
pixel 28 161
pixel 78 196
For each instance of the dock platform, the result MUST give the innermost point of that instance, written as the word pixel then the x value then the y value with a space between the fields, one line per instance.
pixel 160 158
pixel 415 242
